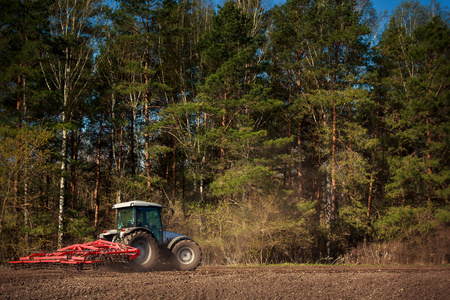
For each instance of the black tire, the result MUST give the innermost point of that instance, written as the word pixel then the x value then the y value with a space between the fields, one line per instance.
pixel 148 247
pixel 186 255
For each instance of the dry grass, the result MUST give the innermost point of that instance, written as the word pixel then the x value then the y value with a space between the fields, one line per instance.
pixel 433 249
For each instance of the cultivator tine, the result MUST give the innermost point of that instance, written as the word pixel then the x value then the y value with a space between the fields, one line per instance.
pixel 82 256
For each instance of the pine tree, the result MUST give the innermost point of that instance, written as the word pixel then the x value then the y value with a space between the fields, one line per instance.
pixel 414 50
pixel 319 52
pixel 25 111
pixel 23 37
pixel 232 98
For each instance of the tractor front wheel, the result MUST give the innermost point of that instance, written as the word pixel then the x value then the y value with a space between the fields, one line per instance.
pixel 186 255
pixel 148 248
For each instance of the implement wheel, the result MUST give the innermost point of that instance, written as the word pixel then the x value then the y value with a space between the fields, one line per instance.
pixel 186 255
pixel 148 248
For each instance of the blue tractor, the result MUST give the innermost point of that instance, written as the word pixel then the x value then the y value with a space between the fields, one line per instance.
pixel 139 225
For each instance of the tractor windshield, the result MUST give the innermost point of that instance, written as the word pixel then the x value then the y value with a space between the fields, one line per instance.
pixel 125 217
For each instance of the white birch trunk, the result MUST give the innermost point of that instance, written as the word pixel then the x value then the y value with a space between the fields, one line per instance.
pixel 65 74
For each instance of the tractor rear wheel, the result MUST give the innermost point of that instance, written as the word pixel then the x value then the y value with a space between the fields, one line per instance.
pixel 186 255
pixel 148 248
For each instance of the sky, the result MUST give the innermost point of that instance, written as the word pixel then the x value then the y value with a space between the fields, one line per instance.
pixel 390 5
pixel 380 5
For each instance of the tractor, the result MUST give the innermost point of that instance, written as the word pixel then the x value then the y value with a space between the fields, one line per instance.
pixel 139 225
pixel 139 241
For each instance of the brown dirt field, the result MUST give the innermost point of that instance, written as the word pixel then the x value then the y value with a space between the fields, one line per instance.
pixel 271 282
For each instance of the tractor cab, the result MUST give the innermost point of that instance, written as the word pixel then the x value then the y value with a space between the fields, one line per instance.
pixel 135 214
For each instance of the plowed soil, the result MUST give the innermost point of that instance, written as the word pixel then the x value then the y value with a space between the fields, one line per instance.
pixel 273 282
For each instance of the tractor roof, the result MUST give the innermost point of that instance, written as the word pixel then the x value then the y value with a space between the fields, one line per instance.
pixel 136 203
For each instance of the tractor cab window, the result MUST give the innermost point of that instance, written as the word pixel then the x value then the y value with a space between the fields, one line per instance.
pixel 149 217
pixel 125 218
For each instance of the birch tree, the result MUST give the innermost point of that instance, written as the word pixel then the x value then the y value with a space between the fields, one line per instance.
pixel 67 66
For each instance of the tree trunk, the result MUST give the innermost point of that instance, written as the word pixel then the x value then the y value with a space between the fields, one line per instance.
pixel 73 174
pixel 369 199
pixel 119 163
pixel 333 168
pixel 375 150
pixel 299 163
pixel 18 126
pixel 222 149
pixel 174 173
pixel 146 115
pixel 429 171
pixel 66 88
pixel 132 146
pixel 61 186
pixel 97 176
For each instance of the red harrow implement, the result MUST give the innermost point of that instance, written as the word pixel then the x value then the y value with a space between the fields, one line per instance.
pixel 91 254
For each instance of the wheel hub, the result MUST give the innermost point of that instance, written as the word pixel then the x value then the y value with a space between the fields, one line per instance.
pixel 186 255
pixel 145 252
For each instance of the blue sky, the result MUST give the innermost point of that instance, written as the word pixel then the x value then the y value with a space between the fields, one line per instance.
pixel 380 5
pixel 390 5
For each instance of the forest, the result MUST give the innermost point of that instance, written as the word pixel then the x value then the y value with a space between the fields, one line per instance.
pixel 313 131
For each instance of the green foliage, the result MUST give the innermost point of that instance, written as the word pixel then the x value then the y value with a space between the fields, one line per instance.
pixel 23 166
pixel 80 228
pixel 354 219
pixel 229 35
pixel 239 180
pixel 404 223
pixel 443 215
